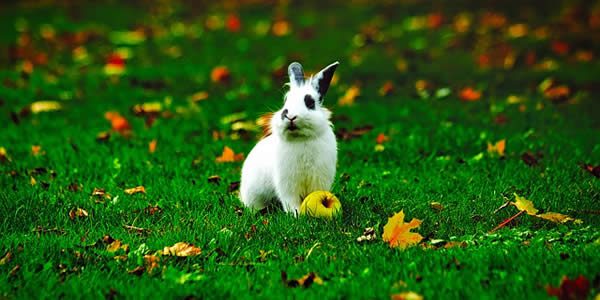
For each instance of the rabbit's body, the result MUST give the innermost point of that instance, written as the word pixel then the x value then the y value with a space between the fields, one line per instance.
pixel 300 155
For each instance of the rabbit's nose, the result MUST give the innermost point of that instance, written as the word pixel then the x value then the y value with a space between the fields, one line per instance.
pixel 284 115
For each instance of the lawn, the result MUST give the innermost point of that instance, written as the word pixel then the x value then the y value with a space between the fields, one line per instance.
pixel 96 99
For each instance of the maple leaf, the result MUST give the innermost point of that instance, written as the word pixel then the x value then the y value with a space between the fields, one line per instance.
pixel 406 296
pixel 118 123
pixel 469 94
pixel 229 156
pixel 398 234
pixel 182 249
pixel 569 289
pixel 137 189
pixel 350 96
pixel 523 204
pixel 497 148
pixel 558 218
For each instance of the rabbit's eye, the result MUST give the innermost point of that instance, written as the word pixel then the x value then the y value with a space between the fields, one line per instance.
pixel 309 102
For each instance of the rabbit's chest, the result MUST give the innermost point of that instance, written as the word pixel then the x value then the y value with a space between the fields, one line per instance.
pixel 307 168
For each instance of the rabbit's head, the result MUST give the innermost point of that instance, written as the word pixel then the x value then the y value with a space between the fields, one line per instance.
pixel 302 115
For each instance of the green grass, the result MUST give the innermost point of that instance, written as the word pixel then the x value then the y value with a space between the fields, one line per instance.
pixel 436 152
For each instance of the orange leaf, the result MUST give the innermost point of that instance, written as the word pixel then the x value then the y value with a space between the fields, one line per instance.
pixel 182 249
pixel 152 146
pixel 220 74
pixel 406 296
pixel 469 94
pixel 398 234
pixel 350 96
pixel 118 123
pixel 36 150
pixel 229 156
pixel 497 148
pixel 137 189
pixel 381 138
pixel 233 23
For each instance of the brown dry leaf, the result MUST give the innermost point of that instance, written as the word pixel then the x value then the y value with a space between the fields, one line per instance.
pixel 557 93
pixel 386 89
pixel 304 281
pixel 229 156
pixel 497 148
pixel 220 74
pixel 44 106
pixel 137 189
pixel 350 96
pixel 118 123
pixel 100 194
pixel 558 218
pixel 397 233
pixel 436 206
pixel 152 146
pixel 77 213
pixel 151 262
pixel 523 204
pixel 6 259
pixel 406 296
pixel 469 94
pixel 182 249
pixel 578 288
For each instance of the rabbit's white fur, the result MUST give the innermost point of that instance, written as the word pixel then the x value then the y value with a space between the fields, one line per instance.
pixel 290 164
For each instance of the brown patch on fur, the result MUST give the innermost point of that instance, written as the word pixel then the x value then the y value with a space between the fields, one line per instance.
pixel 265 123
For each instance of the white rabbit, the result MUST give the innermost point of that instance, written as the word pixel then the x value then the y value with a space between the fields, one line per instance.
pixel 300 155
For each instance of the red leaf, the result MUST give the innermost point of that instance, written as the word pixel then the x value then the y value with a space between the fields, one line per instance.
pixel 569 289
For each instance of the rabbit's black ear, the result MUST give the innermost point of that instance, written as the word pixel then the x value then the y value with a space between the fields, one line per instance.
pixel 322 80
pixel 296 74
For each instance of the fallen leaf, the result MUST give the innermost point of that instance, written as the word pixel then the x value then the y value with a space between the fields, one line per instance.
pixel 345 134
pixel 77 213
pixel 152 210
pixel 557 93
pixel 152 146
pixel 436 206
pixel 3 155
pixel 118 123
pixel 523 204
pixel 44 106
pixel 497 148
pixel 137 189
pixel 101 194
pixel 529 159
pixel 220 74
pixel 350 96
pixel 216 179
pixel 406 296
pixel 593 170
pixel 304 281
pixel 469 94
pixel 116 245
pixel 368 234
pixel 151 262
pixel 182 249
pixel 146 109
pixel 229 156
pixel 115 64
pixel 6 259
pixel 386 89
pixel 199 96
pixel 233 23
pixel 398 234
pixel 570 289
pixel 36 150
pixel 281 28
pixel 103 136
pixel 382 138
pixel 558 218
pixel 138 271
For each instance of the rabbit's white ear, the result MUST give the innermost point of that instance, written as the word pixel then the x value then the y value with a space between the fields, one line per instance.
pixel 322 80
pixel 296 74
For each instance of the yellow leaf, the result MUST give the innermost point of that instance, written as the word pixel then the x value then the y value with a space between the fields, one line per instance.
pixel 558 218
pixel 182 249
pixel 229 156
pixel 137 189
pixel 497 148
pixel 406 296
pixel 523 204
pixel 44 106
pixel 349 96
pixel 398 234
pixel 116 245
pixel 3 155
